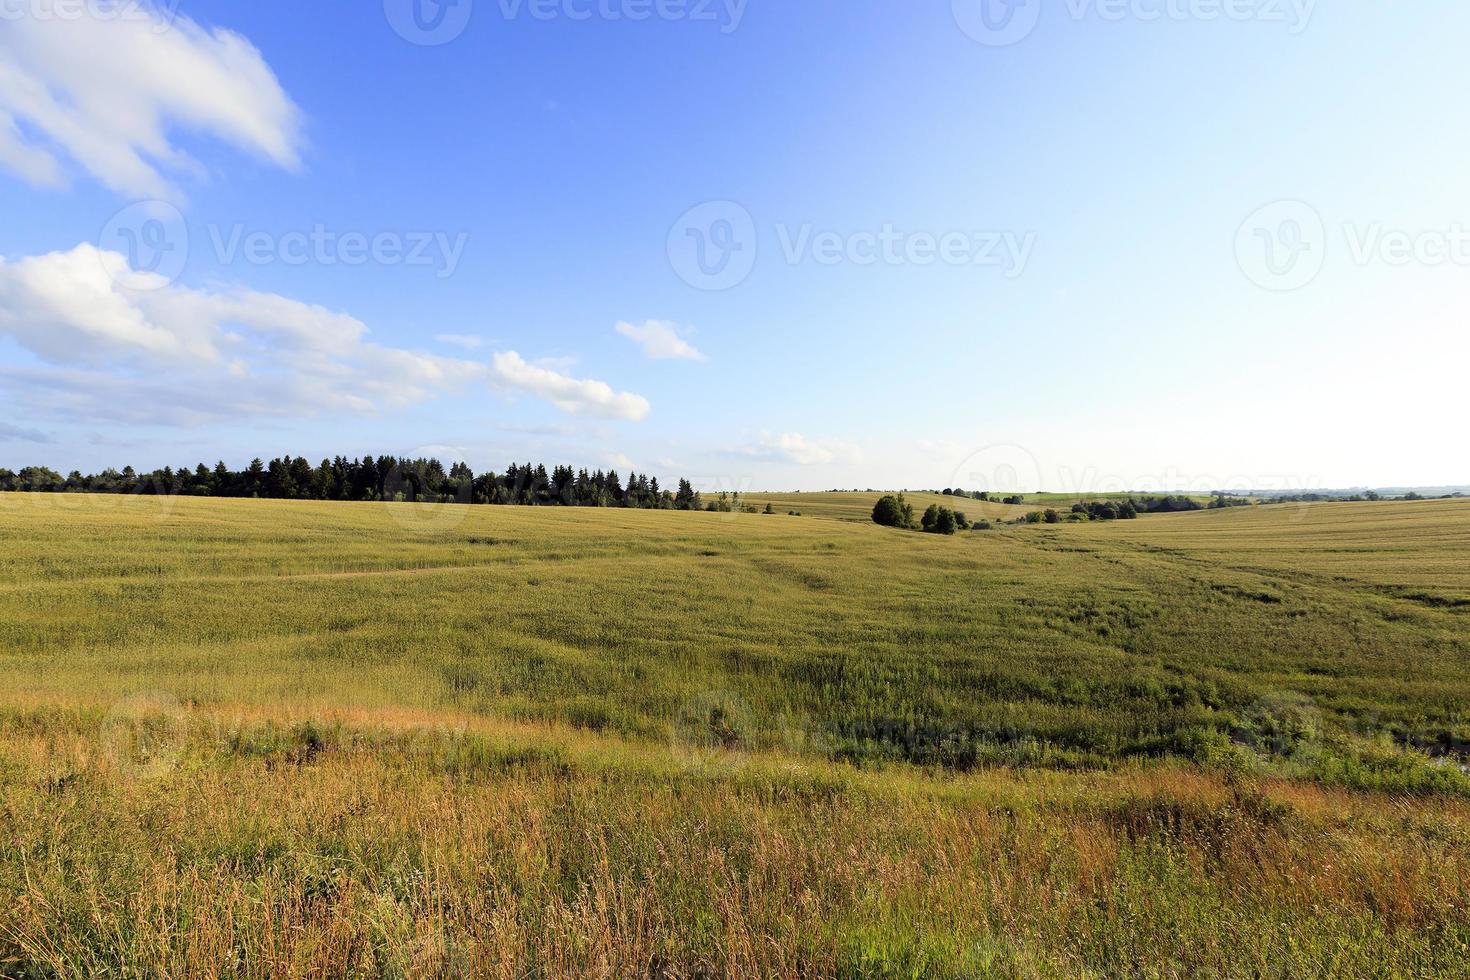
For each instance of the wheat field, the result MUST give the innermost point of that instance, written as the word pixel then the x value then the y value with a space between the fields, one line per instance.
pixel 278 739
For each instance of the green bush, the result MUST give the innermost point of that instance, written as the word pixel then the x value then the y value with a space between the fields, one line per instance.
pixel 893 511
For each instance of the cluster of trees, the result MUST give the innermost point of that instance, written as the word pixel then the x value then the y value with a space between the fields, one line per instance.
pixel 373 478
pixel 984 495
pixel 1304 498
pixel 894 511
pixel 1108 510
pixel 1129 508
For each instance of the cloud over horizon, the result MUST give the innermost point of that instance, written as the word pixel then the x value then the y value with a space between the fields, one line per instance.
pixel 173 354
pixel 795 448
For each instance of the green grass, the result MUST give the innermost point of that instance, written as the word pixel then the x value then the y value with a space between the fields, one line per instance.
pixel 319 738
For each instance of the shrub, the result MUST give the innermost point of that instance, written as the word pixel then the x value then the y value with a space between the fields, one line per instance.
pixel 893 511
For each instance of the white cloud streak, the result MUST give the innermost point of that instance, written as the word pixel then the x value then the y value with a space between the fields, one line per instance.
pixel 595 398
pixel 108 90
pixel 795 448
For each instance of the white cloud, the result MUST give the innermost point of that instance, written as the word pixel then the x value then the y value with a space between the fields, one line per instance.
pixel 467 341
pixel 793 447
pixel 177 355
pixel 510 371
pixel 660 341
pixel 107 88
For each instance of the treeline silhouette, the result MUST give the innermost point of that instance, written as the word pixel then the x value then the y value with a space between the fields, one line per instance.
pixel 373 478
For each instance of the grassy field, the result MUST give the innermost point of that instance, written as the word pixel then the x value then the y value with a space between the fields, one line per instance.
pixel 250 738
pixel 856 505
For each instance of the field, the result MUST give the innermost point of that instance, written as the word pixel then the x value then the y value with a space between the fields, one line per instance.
pixel 858 505
pixel 251 738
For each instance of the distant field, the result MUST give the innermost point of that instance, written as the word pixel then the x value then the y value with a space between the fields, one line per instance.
pixel 273 738
pixel 858 505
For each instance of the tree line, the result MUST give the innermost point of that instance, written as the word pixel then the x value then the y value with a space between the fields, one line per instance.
pixel 380 478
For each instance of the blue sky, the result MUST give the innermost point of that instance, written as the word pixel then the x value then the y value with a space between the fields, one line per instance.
pixel 1138 246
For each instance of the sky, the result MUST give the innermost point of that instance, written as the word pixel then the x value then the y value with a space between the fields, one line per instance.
pixel 1080 245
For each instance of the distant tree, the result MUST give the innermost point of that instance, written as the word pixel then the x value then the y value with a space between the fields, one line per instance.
pixel 686 498
pixel 1052 517
pixel 946 522
pixel 893 511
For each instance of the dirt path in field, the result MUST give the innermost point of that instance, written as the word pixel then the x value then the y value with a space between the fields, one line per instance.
pixel 376 573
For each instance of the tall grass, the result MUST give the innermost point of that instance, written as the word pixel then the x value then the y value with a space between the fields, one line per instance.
pixel 244 738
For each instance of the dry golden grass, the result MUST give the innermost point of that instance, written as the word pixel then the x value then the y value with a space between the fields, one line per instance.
pixel 259 739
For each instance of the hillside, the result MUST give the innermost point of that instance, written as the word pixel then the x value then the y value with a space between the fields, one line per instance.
pixel 592 740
